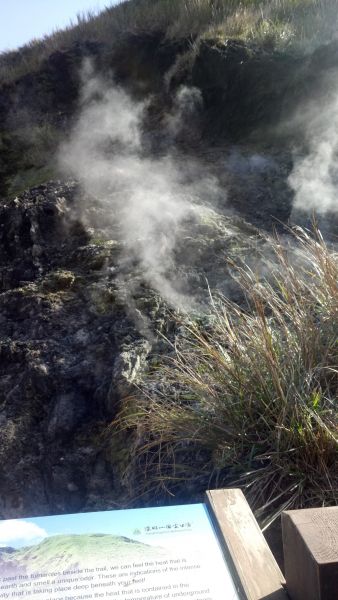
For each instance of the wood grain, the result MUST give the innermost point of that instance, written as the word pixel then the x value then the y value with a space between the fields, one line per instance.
pixel 243 541
pixel 310 540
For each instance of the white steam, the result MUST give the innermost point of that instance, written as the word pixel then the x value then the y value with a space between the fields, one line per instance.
pixel 149 198
pixel 187 103
pixel 315 176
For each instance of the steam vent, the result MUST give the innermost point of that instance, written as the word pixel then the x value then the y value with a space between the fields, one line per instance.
pixel 168 259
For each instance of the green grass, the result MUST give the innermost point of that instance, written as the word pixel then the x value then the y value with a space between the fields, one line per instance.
pixel 61 552
pixel 28 157
pixel 275 23
pixel 249 396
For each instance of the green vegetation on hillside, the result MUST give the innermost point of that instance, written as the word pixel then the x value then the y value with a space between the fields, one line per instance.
pixel 40 82
pixel 29 156
pixel 62 552
pixel 274 23
pixel 249 397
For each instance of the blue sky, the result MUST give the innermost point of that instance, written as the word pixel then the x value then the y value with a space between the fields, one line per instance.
pixel 183 532
pixel 148 525
pixel 23 20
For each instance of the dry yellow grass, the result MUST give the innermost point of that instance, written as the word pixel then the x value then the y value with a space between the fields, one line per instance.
pixel 300 24
pixel 249 397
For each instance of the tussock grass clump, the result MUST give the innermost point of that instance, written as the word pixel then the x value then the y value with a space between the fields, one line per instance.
pixel 250 398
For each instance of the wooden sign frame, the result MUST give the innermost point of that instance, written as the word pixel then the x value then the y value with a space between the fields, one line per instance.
pixel 247 570
pixel 256 571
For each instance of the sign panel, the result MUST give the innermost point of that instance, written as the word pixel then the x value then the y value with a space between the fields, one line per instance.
pixel 169 553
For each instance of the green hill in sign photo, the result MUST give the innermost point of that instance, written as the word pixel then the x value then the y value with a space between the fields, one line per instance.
pixel 62 552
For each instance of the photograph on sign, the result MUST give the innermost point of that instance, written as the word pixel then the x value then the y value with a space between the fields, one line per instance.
pixel 166 553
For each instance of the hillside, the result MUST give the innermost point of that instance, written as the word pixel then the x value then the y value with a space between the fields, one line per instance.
pixel 155 338
pixel 66 552
pixel 254 63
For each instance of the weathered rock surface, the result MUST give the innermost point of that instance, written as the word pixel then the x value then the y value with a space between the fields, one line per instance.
pixel 248 91
pixel 79 321
pixel 77 325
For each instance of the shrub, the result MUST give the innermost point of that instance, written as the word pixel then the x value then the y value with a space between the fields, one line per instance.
pixel 249 397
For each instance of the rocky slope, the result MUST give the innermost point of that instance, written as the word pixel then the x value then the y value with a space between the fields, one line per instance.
pixel 79 321
pixel 249 93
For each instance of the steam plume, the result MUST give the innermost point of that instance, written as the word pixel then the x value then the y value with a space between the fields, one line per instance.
pixel 315 176
pixel 149 197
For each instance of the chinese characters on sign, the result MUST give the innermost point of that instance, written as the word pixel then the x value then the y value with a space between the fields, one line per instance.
pixel 169 553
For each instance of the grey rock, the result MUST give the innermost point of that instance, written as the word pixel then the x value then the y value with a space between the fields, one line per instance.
pixel 129 365
pixel 79 324
pixel 69 409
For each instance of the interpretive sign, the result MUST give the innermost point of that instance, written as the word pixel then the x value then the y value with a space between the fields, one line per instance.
pixel 169 553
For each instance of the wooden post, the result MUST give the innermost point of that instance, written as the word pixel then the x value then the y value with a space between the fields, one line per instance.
pixel 310 541
pixel 243 542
